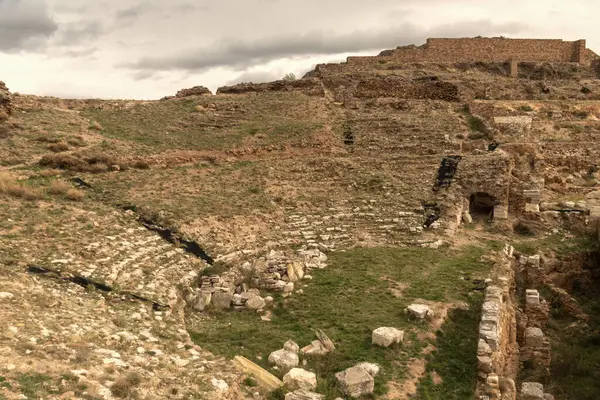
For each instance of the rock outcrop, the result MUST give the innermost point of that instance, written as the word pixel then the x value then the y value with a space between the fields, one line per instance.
pixel 193 91
pixel 311 87
pixel 5 102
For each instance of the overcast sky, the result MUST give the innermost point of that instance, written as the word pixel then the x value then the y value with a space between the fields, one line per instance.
pixel 147 49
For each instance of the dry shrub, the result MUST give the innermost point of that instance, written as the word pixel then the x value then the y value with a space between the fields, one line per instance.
pixel 78 163
pixel 47 139
pixel 3 116
pixel 58 147
pixel 124 386
pixel 48 173
pixel 59 187
pixel 77 141
pixel 141 165
pixel 75 194
pixel 5 131
pixel 10 186
pixel 95 126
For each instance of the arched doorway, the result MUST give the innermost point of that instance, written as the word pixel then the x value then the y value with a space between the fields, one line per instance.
pixel 481 206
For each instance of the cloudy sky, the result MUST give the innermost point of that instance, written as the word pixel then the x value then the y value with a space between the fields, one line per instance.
pixel 146 49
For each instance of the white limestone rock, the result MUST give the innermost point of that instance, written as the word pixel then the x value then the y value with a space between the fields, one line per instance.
pixel 386 336
pixel 299 378
pixel 304 395
pixel 291 346
pixel 285 360
pixel 532 391
pixel 420 311
pixel 371 368
pixel 355 382
pixel 256 303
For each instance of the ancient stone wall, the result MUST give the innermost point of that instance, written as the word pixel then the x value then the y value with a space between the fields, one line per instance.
pixel 487 50
pixel 311 87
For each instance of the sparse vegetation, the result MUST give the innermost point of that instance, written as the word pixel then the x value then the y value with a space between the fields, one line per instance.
pixel 11 187
pixel 125 386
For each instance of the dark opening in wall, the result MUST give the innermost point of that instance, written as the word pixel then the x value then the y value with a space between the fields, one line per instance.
pixel 446 172
pixel 482 205
pixel 348 136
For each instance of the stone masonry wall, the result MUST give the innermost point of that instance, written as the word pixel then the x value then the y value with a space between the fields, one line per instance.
pixel 487 49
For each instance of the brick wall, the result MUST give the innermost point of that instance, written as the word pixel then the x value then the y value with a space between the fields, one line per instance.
pixel 487 50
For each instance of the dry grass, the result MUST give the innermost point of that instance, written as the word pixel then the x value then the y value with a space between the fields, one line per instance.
pixel 61 188
pixel 124 386
pixel 11 187
pixel 95 126
pixel 58 147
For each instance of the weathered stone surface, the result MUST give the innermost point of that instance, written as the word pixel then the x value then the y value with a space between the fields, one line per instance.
pixel 285 360
pixel 291 346
pixel 315 348
pixel 256 303
pixel 299 378
pixel 532 297
pixel 467 218
pixel 324 339
pixel 371 368
pixel 534 337
pixel 386 336
pixel 221 300
pixel 304 395
pixel 420 311
pixel 202 300
pixel 262 376
pixel 193 91
pixel 355 382
pixel 532 208
pixel 532 391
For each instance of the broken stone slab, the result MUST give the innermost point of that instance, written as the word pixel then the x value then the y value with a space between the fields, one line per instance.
pixel 221 300
pixel 532 208
pixel 386 336
pixel 285 360
pixel 420 311
pixel 299 378
pixel 316 348
pixel 256 303
pixel 324 339
pixel 262 376
pixel 304 395
pixel 500 212
pixel 355 382
pixel 532 391
pixel 534 337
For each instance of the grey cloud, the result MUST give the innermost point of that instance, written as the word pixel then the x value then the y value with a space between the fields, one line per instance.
pixel 24 24
pixel 240 53
pixel 79 32
pixel 132 13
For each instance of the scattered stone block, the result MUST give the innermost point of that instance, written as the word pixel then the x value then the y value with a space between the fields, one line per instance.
pixel 262 376
pixel 532 297
pixel 304 395
pixel 292 346
pixel 532 391
pixel 256 303
pixel 371 368
pixel 324 339
pixel 299 378
pixel 387 336
pixel 221 300
pixel 285 360
pixel 316 348
pixel 355 382
pixel 420 311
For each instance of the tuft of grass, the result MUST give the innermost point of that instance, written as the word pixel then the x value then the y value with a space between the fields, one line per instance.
pixel 124 386
pixel 11 187
pixel 526 108
pixel 58 147
pixel 33 385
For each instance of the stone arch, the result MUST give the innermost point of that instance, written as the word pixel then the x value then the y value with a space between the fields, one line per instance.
pixel 481 205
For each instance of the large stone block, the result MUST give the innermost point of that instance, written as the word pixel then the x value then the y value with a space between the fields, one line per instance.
pixel 285 360
pixel 386 336
pixel 532 391
pixel 420 311
pixel 534 337
pixel 355 382
pixel 299 378
pixel 262 376
pixel 221 300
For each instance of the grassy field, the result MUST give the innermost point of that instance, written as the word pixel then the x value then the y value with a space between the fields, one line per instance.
pixel 211 123
pixel 361 290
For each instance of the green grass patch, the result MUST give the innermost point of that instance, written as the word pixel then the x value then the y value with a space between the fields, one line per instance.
pixel 34 385
pixel 455 358
pixel 348 300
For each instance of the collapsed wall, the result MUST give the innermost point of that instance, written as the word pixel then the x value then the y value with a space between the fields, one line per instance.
pixel 310 87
